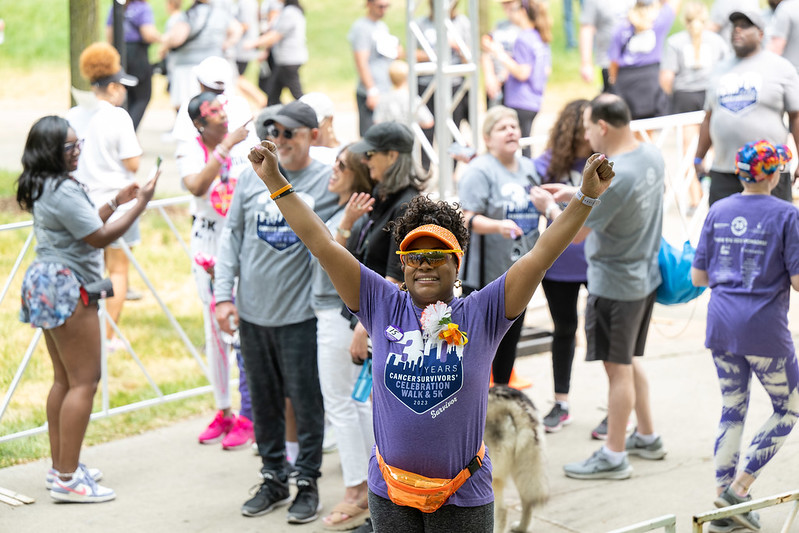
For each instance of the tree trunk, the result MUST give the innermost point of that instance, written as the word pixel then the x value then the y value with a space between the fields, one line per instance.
pixel 83 17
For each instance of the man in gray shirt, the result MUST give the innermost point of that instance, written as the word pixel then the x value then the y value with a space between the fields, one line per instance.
pixel 374 48
pixel 623 276
pixel 273 311
pixel 746 101
pixel 785 31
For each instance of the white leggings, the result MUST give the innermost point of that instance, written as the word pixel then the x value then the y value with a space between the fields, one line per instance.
pixel 351 419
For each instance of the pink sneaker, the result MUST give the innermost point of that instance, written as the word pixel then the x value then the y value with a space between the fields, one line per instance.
pixel 240 435
pixel 218 428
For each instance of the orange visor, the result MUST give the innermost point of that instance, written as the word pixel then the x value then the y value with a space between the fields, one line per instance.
pixel 443 235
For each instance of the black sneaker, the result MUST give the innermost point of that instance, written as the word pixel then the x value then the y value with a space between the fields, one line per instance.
pixel 306 504
pixel 272 493
pixel 557 418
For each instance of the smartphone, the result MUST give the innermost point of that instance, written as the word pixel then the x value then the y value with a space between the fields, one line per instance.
pixel 156 168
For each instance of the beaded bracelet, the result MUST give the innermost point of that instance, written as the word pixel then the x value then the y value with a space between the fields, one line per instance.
pixel 279 193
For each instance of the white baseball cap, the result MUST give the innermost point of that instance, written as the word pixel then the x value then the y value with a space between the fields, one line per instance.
pixel 320 103
pixel 213 72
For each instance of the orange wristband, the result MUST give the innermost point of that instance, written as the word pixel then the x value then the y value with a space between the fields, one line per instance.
pixel 280 191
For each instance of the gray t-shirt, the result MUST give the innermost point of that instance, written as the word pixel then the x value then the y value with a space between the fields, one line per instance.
pixel 490 189
pixel 208 41
pixel 785 24
pixel 323 293
pixel 604 16
pixel 720 14
pixel 622 248
pixel 692 73
pixel 292 49
pixel 258 246
pixel 246 12
pixel 373 36
pixel 62 218
pixel 748 98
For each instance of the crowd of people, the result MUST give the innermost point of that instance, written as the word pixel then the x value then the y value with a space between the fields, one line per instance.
pixel 430 295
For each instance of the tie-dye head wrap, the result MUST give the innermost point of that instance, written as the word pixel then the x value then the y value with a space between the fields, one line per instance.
pixel 757 161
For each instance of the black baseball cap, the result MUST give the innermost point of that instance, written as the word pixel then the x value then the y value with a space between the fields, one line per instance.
pixel 295 115
pixel 752 15
pixel 384 137
pixel 120 77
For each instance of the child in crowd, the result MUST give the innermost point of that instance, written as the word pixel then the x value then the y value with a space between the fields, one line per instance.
pixel 748 254
pixel 394 105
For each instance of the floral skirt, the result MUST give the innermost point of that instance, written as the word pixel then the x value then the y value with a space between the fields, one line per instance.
pixel 50 294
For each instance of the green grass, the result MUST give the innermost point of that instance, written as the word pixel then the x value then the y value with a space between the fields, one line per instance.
pixel 158 346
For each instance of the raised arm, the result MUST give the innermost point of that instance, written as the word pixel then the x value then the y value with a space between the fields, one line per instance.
pixel 525 274
pixel 343 269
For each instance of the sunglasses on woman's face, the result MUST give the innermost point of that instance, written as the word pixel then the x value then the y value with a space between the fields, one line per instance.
pixel 434 258
pixel 70 147
pixel 272 131
pixel 370 154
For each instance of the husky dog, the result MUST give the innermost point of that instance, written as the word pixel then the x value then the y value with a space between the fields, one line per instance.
pixel 515 439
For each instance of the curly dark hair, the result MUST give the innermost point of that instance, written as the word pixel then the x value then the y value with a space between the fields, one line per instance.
pixel 422 210
pixel 564 139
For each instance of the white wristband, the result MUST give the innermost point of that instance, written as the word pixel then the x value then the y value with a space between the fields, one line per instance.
pixel 587 200
pixel 112 204
pixel 374 91
pixel 548 211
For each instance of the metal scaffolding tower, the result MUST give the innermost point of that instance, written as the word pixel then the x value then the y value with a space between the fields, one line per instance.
pixel 446 131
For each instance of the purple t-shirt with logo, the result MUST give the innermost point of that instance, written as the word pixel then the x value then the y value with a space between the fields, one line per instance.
pixel 750 248
pixel 529 49
pixel 430 408
pixel 630 49
pixel 137 14
pixel 571 266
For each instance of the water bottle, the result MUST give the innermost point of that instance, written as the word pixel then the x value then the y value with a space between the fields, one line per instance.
pixel 363 387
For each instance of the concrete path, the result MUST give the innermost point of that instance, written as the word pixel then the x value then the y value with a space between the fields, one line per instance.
pixel 166 482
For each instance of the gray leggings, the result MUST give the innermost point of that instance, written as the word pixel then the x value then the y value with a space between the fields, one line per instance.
pixel 388 517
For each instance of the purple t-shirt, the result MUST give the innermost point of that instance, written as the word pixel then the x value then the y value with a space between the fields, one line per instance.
pixel 529 49
pixel 137 14
pixel 429 410
pixel 630 49
pixel 571 266
pixel 750 248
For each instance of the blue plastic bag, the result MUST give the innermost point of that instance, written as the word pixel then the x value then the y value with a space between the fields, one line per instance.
pixel 675 269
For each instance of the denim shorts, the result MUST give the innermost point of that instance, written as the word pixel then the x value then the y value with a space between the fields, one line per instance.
pixel 50 294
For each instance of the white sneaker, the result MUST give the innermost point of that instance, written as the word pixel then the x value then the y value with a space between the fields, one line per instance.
pixel 80 489
pixel 95 473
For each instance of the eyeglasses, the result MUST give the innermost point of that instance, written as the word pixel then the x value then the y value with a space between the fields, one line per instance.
pixel 272 131
pixel 434 258
pixel 340 165
pixel 370 154
pixel 70 147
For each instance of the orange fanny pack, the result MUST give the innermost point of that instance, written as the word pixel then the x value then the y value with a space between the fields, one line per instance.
pixel 424 493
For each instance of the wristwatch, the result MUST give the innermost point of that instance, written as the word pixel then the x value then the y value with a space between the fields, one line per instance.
pixel 587 200
pixel 344 232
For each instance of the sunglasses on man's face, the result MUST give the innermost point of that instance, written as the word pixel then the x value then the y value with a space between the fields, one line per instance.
pixel 434 258
pixel 272 131
pixel 70 147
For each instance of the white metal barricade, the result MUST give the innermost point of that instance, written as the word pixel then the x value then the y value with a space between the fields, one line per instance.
pixel 770 501
pixel 667 522
pixel 157 206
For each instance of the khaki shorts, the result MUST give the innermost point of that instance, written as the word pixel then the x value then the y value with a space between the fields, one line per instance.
pixel 616 330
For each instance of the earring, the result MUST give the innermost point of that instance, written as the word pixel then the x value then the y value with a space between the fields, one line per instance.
pixel 404 287
pixel 458 284
pixel 202 129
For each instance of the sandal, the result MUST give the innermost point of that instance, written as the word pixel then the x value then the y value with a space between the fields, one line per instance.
pixel 349 517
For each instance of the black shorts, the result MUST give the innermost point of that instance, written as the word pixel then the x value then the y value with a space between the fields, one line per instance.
pixel 616 330
pixel 687 101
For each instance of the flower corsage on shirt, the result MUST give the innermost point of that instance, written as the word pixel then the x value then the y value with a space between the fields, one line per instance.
pixel 438 328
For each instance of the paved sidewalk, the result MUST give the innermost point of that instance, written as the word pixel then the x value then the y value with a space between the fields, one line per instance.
pixel 166 482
